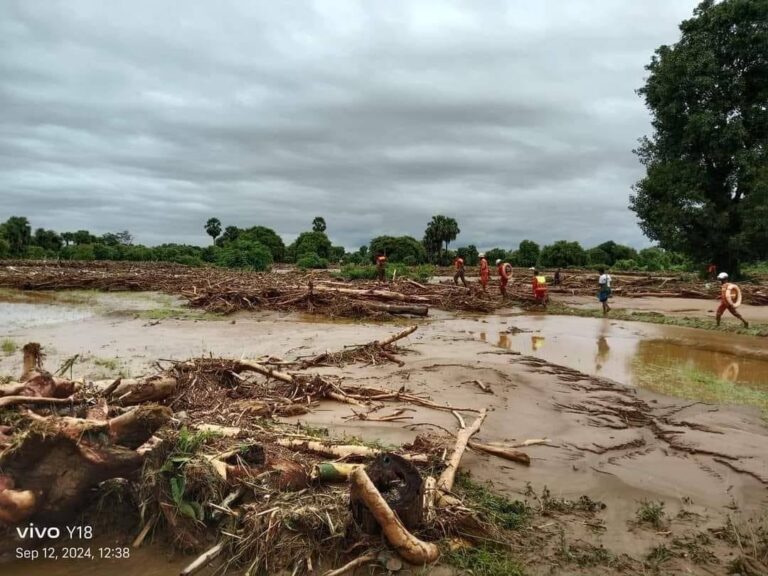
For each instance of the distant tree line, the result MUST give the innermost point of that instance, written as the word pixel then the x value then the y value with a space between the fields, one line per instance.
pixel 258 247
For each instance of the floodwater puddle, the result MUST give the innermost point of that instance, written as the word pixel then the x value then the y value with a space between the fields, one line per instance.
pixel 29 309
pixel 621 350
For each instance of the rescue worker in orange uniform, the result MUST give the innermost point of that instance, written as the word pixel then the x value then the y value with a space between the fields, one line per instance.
pixel 724 303
pixel 539 288
pixel 485 272
pixel 712 271
pixel 501 267
pixel 381 268
pixel 459 264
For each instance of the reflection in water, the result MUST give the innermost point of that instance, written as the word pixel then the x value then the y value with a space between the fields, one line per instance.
pixel 503 340
pixel 482 336
pixel 602 353
pixel 725 365
pixel 537 342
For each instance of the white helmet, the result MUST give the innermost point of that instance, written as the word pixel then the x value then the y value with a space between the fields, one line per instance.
pixel 481 255
pixel 498 261
pixel 722 276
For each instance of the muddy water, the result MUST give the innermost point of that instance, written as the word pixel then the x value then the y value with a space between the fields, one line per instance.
pixel 614 349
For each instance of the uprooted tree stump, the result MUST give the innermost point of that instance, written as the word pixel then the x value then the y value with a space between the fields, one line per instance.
pixel 401 486
pixel 48 475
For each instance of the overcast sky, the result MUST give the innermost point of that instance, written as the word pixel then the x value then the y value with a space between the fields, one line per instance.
pixel 516 117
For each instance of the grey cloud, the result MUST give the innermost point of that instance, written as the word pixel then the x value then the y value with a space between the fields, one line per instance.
pixel 517 118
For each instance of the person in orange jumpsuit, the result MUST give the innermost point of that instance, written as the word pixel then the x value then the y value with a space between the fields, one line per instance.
pixel 712 271
pixel 459 264
pixel 539 288
pixel 503 277
pixel 485 272
pixel 381 268
pixel 724 303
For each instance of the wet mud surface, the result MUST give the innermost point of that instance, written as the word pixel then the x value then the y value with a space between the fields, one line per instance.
pixel 570 380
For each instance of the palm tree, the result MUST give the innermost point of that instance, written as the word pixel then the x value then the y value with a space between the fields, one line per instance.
pixel 213 228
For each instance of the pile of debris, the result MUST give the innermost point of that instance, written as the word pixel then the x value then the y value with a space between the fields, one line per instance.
pixel 214 471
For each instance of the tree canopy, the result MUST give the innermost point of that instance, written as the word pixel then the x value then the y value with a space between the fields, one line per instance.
pixel 213 228
pixel 318 224
pixel 398 249
pixel 705 189
pixel 441 230
pixel 563 254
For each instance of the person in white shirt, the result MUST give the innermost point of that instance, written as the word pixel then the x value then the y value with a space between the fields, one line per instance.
pixel 604 284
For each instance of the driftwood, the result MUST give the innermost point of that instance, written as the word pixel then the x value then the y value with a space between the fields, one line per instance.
pixel 501 452
pixel 202 561
pixel 137 391
pixel 406 544
pixel 448 476
pixel 341 451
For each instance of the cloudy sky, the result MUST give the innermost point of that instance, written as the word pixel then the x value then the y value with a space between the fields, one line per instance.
pixel 515 117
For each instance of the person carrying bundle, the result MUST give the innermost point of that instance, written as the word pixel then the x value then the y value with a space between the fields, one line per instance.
pixel 730 299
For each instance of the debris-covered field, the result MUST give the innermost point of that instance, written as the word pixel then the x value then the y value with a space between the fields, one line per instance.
pixel 246 464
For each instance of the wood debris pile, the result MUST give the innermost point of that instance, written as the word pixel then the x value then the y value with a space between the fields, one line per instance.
pixel 214 471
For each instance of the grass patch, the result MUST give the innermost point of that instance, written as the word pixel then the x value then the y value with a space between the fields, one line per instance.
pixel 651 513
pixel 694 384
pixel 658 318
pixel 501 511
pixel 483 561
pixel 171 313
pixel 8 346
pixel 112 364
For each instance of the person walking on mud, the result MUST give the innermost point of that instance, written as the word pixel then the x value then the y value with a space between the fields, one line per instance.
pixel 381 269
pixel 503 270
pixel 725 301
pixel 485 272
pixel 604 290
pixel 459 264
pixel 557 279
pixel 540 291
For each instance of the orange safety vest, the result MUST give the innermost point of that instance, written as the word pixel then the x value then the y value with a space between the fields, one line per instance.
pixel 380 260
pixel 459 263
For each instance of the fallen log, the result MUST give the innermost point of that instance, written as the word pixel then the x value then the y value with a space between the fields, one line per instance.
pixel 410 309
pixel 377 294
pixel 341 450
pixel 501 452
pixel 137 391
pixel 406 544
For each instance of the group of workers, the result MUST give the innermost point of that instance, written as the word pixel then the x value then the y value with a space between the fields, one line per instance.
pixel 539 284
pixel 504 271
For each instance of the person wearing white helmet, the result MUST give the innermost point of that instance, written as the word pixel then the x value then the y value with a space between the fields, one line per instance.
pixel 725 303
pixel 485 272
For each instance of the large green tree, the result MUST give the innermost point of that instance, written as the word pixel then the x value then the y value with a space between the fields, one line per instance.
pixel 440 230
pixel 707 159
pixel 399 249
pixel 563 254
pixel 318 224
pixel 18 233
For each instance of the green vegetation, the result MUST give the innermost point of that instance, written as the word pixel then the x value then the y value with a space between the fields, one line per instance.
pixel 312 261
pixel 8 346
pixel 693 384
pixel 441 230
pixel 705 192
pixel 484 560
pixel 244 254
pixel 651 513
pixel 112 364
pixel 562 254
pixel 398 249
pixel 501 511
pixel 356 272
pixel 487 559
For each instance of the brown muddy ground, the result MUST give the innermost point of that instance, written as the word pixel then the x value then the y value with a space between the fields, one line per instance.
pixel 552 377
pixel 691 307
